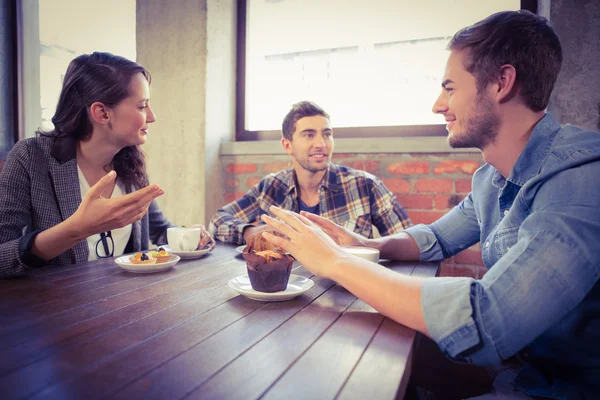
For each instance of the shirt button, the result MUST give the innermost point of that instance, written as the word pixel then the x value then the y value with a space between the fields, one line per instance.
pixel 505 212
pixel 487 244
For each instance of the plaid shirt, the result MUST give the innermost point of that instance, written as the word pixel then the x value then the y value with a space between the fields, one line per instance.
pixel 354 199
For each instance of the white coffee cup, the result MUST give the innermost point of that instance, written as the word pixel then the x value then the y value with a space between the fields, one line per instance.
pixel 183 239
pixel 368 253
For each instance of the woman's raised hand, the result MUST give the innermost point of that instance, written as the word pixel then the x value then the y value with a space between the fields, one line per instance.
pixel 97 214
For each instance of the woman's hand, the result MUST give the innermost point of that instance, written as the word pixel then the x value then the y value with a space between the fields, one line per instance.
pixel 97 214
pixel 305 241
pixel 205 237
pixel 339 234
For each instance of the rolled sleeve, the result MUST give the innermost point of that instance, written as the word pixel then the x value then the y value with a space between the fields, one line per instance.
pixel 386 213
pixel 448 313
pixel 228 224
pixel 541 279
pixel 451 234
pixel 427 241
pixel 26 255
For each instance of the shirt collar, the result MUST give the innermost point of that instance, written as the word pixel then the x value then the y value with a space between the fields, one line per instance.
pixel 533 155
pixel 331 180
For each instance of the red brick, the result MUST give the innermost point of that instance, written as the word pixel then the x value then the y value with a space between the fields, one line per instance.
pixel 229 197
pixel 434 186
pixel 450 166
pixel 463 186
pixel 408 168
pixel 232 183
pixel 441 202
pixel 252 181
pixel 273 167
pixel 371 167
pixel 458 270
pixel 397 185
pixel 469 257
pixel 416 201
pixel 235 168
pixel 424 217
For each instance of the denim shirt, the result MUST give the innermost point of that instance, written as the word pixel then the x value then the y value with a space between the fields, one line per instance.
pixel 539 231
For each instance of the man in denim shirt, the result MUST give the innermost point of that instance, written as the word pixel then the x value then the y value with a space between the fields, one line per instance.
pixel 535 209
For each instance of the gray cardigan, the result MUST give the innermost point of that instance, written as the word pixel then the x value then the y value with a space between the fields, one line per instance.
pixel 39 188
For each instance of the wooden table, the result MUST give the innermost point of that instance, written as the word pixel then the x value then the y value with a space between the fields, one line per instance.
pixel 93 330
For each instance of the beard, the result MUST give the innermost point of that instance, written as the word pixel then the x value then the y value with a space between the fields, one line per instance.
pixel 308 166
pixel 480 128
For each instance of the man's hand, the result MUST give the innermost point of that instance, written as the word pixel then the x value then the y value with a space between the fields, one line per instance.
pixel 205 237
pixel 254 230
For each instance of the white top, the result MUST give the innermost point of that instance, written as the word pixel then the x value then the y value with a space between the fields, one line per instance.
pixel 120 236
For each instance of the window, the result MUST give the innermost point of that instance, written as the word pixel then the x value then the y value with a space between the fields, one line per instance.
pixel 53 32
pixel 374 66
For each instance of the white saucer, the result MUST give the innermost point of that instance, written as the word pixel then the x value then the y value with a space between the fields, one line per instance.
pixel 124 263
pixel 186 255
pixel 296 286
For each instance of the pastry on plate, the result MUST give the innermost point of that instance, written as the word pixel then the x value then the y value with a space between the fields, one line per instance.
pixel 142 258
pixel 161 255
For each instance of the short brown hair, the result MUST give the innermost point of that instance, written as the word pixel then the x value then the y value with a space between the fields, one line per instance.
pixel 519 38
pixel 298 111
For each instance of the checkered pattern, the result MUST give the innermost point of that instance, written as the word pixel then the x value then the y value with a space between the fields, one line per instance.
pixel 351 198
pixel 39 188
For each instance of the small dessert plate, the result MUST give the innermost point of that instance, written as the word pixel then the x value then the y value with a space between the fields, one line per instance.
pixel 186 255
pixel 296 286
pixel 124 263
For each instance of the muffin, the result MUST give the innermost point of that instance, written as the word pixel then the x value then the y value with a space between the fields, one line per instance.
pixel 142 258
pixel 161 255
pixel 258 243
pixel 268 269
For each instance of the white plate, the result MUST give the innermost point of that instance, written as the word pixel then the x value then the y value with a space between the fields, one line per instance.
pixel 296 286
pixel 124 263
pixel 186 255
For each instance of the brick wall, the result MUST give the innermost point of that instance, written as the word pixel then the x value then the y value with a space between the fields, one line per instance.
pixel 427 186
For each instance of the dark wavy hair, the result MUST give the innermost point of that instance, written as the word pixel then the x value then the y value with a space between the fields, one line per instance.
pixel 105 78
pixel 519 38
pixel 299 110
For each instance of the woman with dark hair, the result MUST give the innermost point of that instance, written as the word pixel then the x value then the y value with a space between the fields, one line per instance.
pixel 80 191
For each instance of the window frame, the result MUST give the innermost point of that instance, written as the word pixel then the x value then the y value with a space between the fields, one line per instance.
pixel 241 134
pixel 9 138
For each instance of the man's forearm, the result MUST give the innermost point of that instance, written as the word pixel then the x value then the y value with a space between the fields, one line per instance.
pixel 392 294
pixel 400 246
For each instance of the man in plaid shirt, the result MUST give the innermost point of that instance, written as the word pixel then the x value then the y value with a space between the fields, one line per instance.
pixel 354 199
